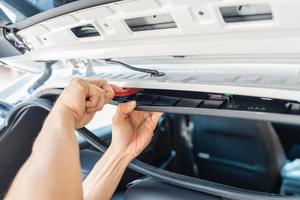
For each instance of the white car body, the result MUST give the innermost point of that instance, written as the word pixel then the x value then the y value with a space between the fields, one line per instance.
pixel 243 48
pixel 203 53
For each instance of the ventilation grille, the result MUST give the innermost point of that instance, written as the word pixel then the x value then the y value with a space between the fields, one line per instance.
pixel 247 12
pixel 154 22
pixel 85 31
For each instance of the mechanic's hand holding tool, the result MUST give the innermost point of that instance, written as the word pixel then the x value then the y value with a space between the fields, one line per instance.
pixel 53 169
pixel 82 99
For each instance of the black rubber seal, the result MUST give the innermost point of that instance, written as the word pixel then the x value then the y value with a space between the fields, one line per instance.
pixel 178 179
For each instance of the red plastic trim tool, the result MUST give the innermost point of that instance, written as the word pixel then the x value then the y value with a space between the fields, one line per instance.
pixel 127 92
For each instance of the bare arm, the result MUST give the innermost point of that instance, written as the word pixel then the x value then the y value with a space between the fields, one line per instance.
pixel 53 169
pixel 132 132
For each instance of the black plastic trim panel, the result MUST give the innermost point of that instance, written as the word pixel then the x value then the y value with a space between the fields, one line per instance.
pixel 235 106
pixel 242 107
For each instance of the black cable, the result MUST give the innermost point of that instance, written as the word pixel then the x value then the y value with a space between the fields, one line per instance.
pixel 45 76
pixel 153 72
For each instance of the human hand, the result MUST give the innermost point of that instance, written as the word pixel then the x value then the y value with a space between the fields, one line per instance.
pixel 81 99
pixel 132 130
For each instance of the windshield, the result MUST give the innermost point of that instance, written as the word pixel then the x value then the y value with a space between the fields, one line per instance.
pixel 12 11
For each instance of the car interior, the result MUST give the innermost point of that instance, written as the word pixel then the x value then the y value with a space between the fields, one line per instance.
pixel 239 153
pixel 234 132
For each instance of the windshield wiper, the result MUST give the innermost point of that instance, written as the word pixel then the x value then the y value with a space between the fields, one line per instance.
pixel 152 72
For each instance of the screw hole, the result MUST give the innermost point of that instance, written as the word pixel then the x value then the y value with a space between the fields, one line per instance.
pixel 201 13
pixel 106 25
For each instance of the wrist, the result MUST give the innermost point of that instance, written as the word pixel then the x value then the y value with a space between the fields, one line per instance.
pixel 61 116
pixel 119 153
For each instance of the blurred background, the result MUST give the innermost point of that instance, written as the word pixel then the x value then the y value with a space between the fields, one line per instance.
pixel 102 119
pixel 7 76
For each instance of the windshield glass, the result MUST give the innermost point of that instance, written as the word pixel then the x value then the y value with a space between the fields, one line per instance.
pixel 12 11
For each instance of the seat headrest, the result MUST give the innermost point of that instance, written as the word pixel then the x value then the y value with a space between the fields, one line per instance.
pixel 16 140
pixel 150 189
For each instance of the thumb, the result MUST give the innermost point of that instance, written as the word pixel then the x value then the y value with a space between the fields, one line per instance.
pixel 116 88
pixel 124 109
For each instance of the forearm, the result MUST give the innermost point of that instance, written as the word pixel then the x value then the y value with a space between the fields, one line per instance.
pixel 106 175
pixel 53 169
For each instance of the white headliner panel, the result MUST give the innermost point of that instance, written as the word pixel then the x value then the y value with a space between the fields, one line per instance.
pixel 204 40
pixel 269 81
pixel 202 35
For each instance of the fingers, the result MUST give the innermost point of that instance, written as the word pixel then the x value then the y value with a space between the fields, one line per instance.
pixel 109 90
pixel 96 99
pixel 126 108
pixel 150 122
pixel 155 116
pixel 99 93
pixel 116 88
pixel 123 110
